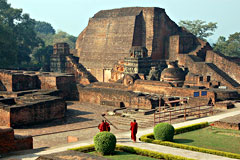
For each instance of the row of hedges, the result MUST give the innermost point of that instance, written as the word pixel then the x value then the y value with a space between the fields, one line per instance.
pixel 149 138
pixel 135 150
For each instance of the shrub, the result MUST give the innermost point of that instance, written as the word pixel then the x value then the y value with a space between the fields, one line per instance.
pixel 105 143
pixel 191 127
pixel 164 132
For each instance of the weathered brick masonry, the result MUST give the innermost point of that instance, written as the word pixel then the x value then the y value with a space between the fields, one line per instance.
pixel 10 142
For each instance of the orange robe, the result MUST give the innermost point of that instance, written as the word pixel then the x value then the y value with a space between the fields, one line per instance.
pixel 107 126
pixel 102 127
pixel 134 127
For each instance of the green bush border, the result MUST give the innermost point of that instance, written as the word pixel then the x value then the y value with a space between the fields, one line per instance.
pixel 149 138
pixel 134 150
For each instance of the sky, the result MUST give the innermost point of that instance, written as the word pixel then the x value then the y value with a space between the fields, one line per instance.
pixel 72 16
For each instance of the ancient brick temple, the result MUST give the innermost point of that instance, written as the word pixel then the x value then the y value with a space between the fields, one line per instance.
pixel 147 57
pixel 110 34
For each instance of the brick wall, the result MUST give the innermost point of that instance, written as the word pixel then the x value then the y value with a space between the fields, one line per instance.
pixel 6 79
pixel 129 99
pixel 4 117
pixel 204 69
pixel 164 88
pixel 222 62
pixel 10 142
pixel 37 111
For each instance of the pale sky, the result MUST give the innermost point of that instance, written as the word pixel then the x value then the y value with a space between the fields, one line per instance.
pixel 72 16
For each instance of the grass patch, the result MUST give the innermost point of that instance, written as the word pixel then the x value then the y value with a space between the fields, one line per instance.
pixel 120 155
pixel 185 142
pixel 212 138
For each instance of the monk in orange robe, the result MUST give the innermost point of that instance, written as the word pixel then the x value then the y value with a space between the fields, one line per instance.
pixel 107 126
pixel 133 128
pixel 102 127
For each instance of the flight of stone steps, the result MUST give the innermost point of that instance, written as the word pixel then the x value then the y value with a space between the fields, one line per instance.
pixel 79 68
pixel 223 75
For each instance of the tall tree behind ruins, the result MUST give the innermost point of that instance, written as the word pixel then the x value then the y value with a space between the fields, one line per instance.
pixel 229 47
pixel 199 28
pixel 25 42
pixel 17 36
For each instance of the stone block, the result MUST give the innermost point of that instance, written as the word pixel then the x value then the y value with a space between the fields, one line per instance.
pixel 71 139
pixel 224 105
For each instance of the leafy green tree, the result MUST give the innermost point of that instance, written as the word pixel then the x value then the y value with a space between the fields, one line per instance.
pixel 199 28
pixel 42 55
pixel 60 36
pixel 44 27
pixel 230 46
pixel 18 37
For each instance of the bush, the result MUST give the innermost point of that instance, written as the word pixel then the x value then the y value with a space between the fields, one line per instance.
pixel 164 132
pixel 105 143
pixel 192 127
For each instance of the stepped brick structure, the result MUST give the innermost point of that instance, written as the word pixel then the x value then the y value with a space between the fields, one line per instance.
pixel 110 35
pixel 63 62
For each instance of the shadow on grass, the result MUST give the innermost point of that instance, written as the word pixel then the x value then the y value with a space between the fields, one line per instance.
pixel 183 140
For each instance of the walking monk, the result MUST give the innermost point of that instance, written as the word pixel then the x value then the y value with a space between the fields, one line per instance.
pixel 107 126
pixel 102 127
pixel 133 128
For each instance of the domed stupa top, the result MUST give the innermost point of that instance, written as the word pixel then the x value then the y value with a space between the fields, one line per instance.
pixel 173 73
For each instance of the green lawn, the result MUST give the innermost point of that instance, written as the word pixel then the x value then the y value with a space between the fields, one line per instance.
pixel 211 138
pixel 119 155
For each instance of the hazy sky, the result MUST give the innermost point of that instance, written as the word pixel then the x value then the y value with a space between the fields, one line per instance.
pixel 72 15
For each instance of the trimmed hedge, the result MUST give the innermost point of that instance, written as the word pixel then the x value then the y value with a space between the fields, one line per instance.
pixel 85 149
pixel 135 150
pixel 192 127
pixel 105 143
pixel 164 132
pixel 149 138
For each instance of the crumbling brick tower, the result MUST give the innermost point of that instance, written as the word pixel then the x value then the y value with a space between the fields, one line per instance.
pixel 64 62
pixel 58 59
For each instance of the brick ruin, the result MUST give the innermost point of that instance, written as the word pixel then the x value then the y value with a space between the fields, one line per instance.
pixel 12 142
pixel 110 35
pixel 126 58
pixel 232 122
pixel 28 98
pixel 146 51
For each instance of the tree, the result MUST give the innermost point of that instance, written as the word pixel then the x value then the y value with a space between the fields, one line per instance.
pixel 42 55
pixel 230 46
pixel 44 27
pixel 18 37
pixel 60 36
pixel 199 28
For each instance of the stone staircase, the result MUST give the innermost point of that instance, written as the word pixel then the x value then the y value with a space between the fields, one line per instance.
pixel 80 71
pixel 196 58
pixel 226 77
